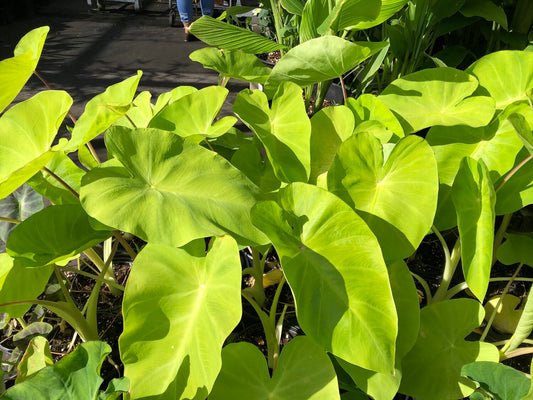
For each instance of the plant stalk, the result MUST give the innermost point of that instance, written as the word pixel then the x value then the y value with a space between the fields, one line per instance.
pixel 449 267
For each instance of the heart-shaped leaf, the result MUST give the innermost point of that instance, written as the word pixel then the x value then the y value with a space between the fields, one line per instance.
pixel 506 76
pixel 192 116
pixel 284 130
pixel 19 205
pixel 385 386
pixel 320 59
pixel 517 248
pixel 103 110
pixel 474 199
pixel 232 63
pixel 140 114
pixel 502 381
pixel 343 302
pixel 25 147
pixel 15 71
pixel 443 327
pixel 397 196
pixel 370 108
pixel 179 307
pixel 20 283
pixel 157 177
pixel 76 376
pixel 437 96
pixel 304 372
pixel 48 236
pixel 230 37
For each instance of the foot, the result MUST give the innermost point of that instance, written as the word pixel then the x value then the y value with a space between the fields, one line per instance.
pixel 189 37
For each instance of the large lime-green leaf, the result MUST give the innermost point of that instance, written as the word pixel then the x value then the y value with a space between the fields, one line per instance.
pixel 348 13
pixel 438 96
pixel 62 166
pixel 140 114
pixel 329 128
pixel 321 59
pixel 474 199
pixel 20 283
pixel 385 386
pixel 15 71
pixel 336 272
pixel 248 159
pixel 304 372
pixel 192 115
pixel 179 307
pixel 432 369
pixel 230 37
pixel 368 108
pixel 19 205
pixel 76 376
pixel 102 110
pixel 395 195
pixel 27 131
pixel 168 190
pixel 232 63
pixel 53 235
pixel 500 380
pixel 388 9
pixel 284 130
pixel 506 76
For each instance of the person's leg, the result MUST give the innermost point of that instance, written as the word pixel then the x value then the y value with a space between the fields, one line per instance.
pixel 186 12
pixel 207 7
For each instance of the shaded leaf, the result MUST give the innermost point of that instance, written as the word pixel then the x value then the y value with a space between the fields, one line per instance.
pixel 507 315
pixel 485 9
pixel 36 357
pixel 517 248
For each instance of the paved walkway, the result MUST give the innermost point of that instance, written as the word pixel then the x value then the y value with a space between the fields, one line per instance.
pixel 86 51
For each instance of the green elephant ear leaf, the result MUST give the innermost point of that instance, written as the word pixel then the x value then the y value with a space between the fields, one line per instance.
pixel 474 199
pixel 19 205
pixel 370 108
pixel 249 160
pixel 396 197
pixel 443 327
pixel 232 63
pixel 348 13
pixel 501 381
pixel 388 9
pixel 506 76
pixel 437 96
pixel 179 307
pixel 320 59
pixel 385 386
pixel 523 130
pixel 103 110
pixel 76 376
pixel 25 147
pixel 329 128
pixel 192 116
pixel 140 114
pixel 313 243
pixel 517 248
pixel 284 130
pixel 157 177
pixel 15 71
pixel 230 37
pixel 304 372
pixel 47 236
pixel 20 283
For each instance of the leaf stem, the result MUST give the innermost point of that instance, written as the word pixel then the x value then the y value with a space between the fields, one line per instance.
pixel 62 182
pixel 425 286
pixel 95 258
pixel 495 311
pixel 10 220
pixel 512 172
pixel 498 237
pixel 125 244
pixel 451 261
pixel 95 277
